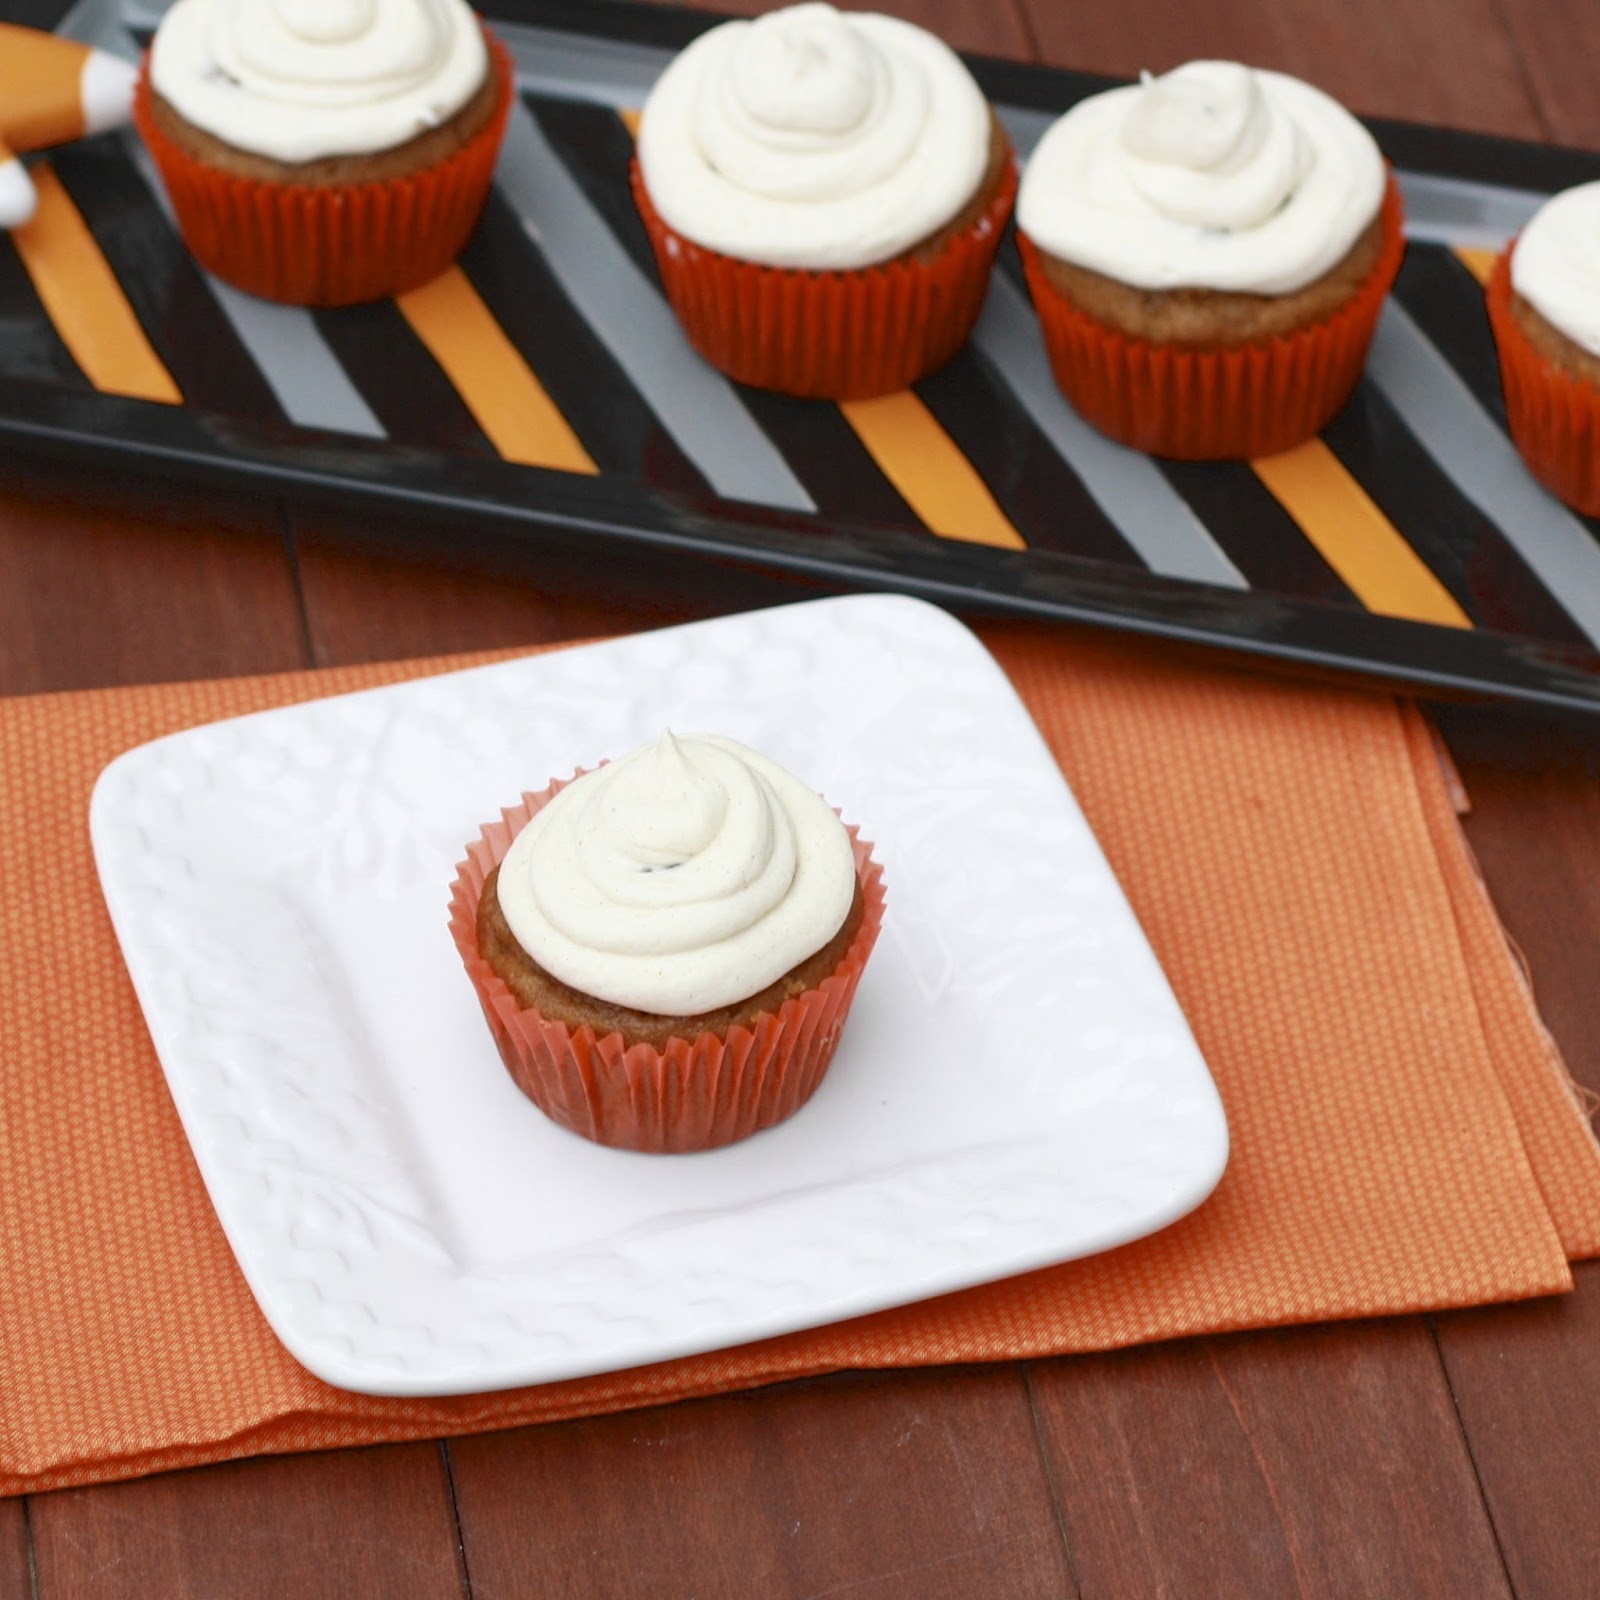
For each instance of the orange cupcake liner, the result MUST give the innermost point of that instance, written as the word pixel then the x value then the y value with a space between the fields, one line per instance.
pixel 337 244
pixel 830 335
pixel 1554 416
pixel 690 1094
pixel 1211 403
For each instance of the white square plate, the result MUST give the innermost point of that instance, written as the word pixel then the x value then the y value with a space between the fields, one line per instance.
pixel 1016 1086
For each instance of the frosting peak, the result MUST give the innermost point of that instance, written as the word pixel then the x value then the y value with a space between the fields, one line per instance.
pixel 326 21
pixel 1555 265
pixel 805 71
pixel 662 811
pixel 1211 176
pixel 296 80
pixel 684 877
pixel 812 138
pixel 809 109
pixel 1205 145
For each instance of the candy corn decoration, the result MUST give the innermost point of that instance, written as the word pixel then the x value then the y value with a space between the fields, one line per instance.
pixel 52 90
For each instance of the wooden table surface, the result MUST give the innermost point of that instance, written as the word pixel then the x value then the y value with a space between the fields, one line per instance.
pixel 1454 1456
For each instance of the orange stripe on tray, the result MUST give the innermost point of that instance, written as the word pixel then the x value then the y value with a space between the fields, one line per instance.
pixel 923 462
pixel 1355 538
pixel 494 382
pixel 83 299
pixel 630 119
pixel 1480 263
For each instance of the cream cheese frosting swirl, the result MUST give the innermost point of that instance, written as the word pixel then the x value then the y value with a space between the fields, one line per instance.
pixel 813 139
pixel 684 877
pixel 1555 264
pixel 1213 176
pixel 298 80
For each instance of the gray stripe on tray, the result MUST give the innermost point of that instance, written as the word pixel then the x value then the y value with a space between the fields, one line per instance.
pixel 283 341
pixel 97 22
pixel 1461 436
pixel 1146 510
pixel 697 406
pixel 1456 211
pixel 611 72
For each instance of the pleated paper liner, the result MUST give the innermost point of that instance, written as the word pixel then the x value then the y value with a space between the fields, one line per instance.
pixel 1226 402
pixel 334 244
pixel 1554 415
pixel 830 335
pixel 690 1094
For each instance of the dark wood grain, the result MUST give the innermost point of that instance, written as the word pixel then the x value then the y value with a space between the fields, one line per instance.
pixel 1527 1378
pixel 1535 829
pixel 1444 61
pixel 15 1578
pixel 376 591
pixel 917 1487
pixel 1557 44
pixel 1527 1381
pixel 349 1522
pixel 112 580
pixel 1317 1463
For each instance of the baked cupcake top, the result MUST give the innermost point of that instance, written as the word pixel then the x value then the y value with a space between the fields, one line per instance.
pixel 684 877
pixel 1212 176
pixel 813 139
pixel 299 80
pixel 1555 264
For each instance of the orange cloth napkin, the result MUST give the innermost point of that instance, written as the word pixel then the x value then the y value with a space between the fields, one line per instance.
pixel 1404 1136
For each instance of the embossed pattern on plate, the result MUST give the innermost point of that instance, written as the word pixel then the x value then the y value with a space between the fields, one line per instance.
pixel 1017 1085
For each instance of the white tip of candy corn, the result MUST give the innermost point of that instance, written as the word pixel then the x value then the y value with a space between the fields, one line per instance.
pixel 106 89
pixel 17 197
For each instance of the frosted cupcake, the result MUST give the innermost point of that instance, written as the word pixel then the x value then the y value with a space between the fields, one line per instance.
pixel 1208 252
pixel 1544 307
pixel 825 194
pixel 323 152
pixel 666 948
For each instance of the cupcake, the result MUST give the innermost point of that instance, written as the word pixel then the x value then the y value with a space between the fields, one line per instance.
pixel 666 947
pixel 825 194
pixel 1208 253
pixel 1544 307
pixel 324 152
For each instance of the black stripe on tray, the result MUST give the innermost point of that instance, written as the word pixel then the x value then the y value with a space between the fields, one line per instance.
pixel 1258 536
pixel 589 389
pixel 1463 549
pixel 1037 490
pixel 408 391
pixel 165 288
pixel 826 454
pixel 822 449
pixel 30 347
pixel 1444 299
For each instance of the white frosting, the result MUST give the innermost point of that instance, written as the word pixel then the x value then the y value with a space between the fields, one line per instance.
pixel 1555 265
pixel 1212 177
pixel 296 80
pixel 813 139
pixel 682 878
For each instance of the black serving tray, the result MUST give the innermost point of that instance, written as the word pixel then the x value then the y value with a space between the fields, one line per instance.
pixel 350 406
